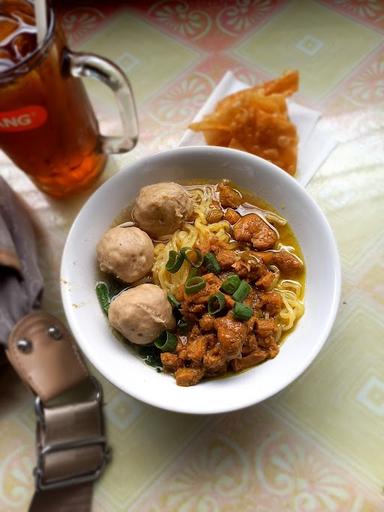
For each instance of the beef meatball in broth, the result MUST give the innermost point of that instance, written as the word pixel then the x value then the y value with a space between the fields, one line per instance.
pixel 141 313
pixel 160 209
pixel 126 252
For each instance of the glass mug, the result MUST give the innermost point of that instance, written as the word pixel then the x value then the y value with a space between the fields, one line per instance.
pixel 47 124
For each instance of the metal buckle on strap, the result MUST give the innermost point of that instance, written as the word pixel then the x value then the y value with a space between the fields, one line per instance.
pixel 43 451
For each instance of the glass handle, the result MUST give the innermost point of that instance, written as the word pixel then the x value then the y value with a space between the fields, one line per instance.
pixel 91 66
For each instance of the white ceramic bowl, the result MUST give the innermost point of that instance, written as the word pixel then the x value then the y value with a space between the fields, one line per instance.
pixel 127 371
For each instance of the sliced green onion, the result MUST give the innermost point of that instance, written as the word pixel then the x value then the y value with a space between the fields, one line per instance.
pixel 242 291
pixel 216 303
pixel 166 342
pixel 102 292
pixel 193 272
pixel 242 311
pixel 175 260
pixel 231 284
pixel 194 256
pixel 194 285
pixel 173 301
pixel 211 263
pixel 182 326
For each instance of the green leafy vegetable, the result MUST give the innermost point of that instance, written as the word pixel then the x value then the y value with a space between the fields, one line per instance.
pixel 102 292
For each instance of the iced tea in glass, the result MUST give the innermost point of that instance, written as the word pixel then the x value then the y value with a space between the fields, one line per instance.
pixel 47 124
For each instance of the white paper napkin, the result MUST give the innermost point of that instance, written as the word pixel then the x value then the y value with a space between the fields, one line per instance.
pixel 315 142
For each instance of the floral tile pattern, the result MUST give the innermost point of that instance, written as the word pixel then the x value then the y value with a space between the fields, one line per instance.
pixel 80 22
pixel 215 24
pixel 365 88
pixel 316 35
pixel 370 12
pixel 182 100
pixel 16 463
pixel 316 446
pixel 148 48
pixel 251 461
pixel 177 105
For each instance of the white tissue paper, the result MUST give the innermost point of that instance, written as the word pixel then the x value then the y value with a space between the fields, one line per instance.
pixel 315 142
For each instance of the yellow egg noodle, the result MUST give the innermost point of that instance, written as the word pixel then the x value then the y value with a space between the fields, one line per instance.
pixel 199 232
pixel 293 307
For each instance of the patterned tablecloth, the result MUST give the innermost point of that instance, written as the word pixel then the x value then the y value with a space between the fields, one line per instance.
pixel 318 445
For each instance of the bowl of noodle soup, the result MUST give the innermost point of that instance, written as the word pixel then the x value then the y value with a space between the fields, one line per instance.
pixel 309 299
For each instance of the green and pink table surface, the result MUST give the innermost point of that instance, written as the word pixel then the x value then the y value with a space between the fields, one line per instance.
pixel 318 445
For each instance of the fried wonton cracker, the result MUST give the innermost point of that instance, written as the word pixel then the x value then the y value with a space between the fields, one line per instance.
pixel 256 120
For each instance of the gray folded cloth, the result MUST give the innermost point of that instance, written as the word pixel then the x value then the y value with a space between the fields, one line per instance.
pixel 21 283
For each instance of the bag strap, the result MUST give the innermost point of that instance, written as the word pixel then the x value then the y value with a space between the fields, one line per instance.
pixel 72 448
pixel 79 499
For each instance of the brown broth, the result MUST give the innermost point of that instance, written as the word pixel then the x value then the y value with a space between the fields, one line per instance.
pixel 286 236
pixel 256 204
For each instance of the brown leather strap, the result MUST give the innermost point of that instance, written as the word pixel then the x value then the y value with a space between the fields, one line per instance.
pixel 71 425
pixel 71 445
pixel 50 362
pixel 78 499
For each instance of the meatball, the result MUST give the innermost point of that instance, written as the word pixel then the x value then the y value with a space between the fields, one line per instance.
pixel 126 252
pixel 160 209
pixel 141 313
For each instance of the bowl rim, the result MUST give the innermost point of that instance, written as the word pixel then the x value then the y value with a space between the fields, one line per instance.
pixel 147 398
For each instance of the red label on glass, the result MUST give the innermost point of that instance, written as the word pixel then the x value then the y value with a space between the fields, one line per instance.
pixel 22 119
